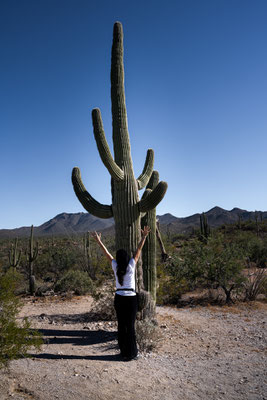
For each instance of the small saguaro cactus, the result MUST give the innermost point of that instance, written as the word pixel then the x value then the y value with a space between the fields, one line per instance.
pixel 126 207
pixel 14 255
pixel 87 254
pixel 204 227
pixel 31 257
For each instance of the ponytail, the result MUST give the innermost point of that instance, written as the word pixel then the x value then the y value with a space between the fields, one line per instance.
pixel 122 259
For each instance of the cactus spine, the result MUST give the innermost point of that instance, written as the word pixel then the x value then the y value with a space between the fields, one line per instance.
pixel 126 207
pixel 14 255
pixel 32 255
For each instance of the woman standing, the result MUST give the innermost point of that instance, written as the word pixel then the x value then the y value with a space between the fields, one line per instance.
pixel 125 301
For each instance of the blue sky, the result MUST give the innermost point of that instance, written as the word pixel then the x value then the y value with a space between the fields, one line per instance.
pixel 196 92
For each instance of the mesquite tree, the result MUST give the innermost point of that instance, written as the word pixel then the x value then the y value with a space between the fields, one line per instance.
pixel 126 207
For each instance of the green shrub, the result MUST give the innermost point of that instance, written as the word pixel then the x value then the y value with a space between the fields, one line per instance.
pixel 15 340
pixel 258 251
pixel 211 264
pixel 74 280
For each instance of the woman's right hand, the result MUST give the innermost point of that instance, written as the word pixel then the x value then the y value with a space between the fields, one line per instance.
pixel 145 231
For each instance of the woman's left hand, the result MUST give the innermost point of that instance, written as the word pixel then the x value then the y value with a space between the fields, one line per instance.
pixel 96 236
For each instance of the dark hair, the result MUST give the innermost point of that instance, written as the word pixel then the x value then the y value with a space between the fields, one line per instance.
pixel 122 259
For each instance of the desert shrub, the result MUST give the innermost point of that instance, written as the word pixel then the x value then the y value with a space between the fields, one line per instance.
pixel 15 340
pixel 211 264
pixel 254 247
pixel 148 334
pixel 257 251
pixel 74 280
pixel 103 308
pixel 171 290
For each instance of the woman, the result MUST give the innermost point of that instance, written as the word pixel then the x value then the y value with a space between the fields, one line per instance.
pixel 125 298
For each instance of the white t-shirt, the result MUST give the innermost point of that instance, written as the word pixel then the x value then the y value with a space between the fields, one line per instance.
pixel 128 279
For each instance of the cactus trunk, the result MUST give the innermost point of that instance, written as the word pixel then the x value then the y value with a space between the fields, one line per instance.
pixel 32 255
pixel 149 249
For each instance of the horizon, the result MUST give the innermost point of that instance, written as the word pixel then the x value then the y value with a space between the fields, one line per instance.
pixel 158 215
pixel 196 92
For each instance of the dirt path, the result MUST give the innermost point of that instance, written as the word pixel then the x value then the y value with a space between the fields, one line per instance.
pixel 206 353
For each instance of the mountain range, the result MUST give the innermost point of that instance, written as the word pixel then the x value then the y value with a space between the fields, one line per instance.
pixel 69 224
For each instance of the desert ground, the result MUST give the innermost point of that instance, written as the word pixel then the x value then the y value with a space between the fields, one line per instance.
pixel 211 353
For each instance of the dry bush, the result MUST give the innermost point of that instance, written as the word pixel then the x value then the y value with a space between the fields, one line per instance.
pixel 256 284
pixel 148 335
pixel 103 308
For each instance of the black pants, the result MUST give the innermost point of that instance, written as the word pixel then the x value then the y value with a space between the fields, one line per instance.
pixel 126 309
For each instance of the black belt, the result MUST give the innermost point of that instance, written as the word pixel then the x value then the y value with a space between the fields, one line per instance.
pixel 130 290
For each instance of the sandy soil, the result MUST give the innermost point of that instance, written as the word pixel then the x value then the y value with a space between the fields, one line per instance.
pixel 205 353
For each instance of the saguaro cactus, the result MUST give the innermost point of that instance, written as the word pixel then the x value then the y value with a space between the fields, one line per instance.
pixel 87 255
pixel 32 255
pixel 126 207
pixel 14 255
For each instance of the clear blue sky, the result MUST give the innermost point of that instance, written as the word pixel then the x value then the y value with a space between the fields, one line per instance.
pixel 196 92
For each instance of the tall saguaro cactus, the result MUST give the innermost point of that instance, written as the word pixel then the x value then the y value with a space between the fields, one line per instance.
pixel 32 255
pixel 126 207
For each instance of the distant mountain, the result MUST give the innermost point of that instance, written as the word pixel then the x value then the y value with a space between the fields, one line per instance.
pixel 63 224
pixel 68 224
pixel 216 217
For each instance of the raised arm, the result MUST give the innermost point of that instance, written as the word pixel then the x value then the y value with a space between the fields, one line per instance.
pixel 97 237
pixel 145 232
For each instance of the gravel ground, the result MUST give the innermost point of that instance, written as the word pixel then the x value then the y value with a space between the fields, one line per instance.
pixel 206 353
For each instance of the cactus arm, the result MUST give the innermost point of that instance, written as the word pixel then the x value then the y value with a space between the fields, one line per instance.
pixel 88 202
pixel 153 198
pixel 144 196
pixel 103 147
pixel 143 179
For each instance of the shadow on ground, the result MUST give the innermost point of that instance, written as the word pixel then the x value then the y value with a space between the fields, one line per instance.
pixel 78 338
pixel 104 357
pixel 91 316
